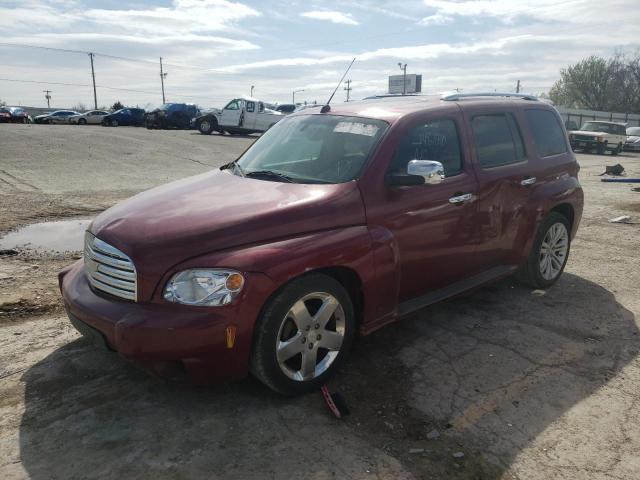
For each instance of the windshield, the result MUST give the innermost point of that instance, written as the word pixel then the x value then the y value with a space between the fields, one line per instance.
pixel 600 127
pixel 635 131
pixel 315 148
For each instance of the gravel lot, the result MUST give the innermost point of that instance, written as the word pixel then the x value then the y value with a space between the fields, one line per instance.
pixel 501 383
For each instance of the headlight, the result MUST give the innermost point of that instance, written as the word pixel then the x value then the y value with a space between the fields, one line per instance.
pixel 204 287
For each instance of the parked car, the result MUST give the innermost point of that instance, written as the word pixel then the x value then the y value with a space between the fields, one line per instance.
pixel 14 115
pixel 55 118
pixel 241 115
pixel 570 125
pixel 124 116
pixel 171 115
pixel 285 108
pixel 633 139
pixel 599 136
pixel 92 117
pixel 333 223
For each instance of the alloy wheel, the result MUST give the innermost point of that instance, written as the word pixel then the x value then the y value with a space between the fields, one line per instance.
pixel 553 251
pixel 205 126
pixel 310 336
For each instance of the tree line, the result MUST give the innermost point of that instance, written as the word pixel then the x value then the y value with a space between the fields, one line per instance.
pixel 599 83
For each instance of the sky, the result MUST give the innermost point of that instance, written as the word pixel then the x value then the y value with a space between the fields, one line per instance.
pixel 215 50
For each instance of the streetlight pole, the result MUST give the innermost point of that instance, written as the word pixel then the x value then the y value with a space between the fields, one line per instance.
pixel 293 96
pixel 163 75
pixel 404 77
pixel 252 87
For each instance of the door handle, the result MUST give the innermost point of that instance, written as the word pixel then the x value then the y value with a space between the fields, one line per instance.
pixel 528 181
pixel 461 198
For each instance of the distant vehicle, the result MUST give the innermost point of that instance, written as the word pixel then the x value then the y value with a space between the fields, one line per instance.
pixel 92 117
pixel 124 116
pixel 171 115
pixel 285 108
pixel 14 115
pixel 241 115
pixel 5 115
pixel 57 117
pixel 633 139
pixel 601 136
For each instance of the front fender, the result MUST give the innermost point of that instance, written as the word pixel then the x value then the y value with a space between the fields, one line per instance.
pixel 285 259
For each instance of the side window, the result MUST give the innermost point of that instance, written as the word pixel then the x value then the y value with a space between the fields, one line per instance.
pixel 497 139
pixel 547 132
pixel 436 140
pixel 251 106
pixel 260 107
pixel 232 105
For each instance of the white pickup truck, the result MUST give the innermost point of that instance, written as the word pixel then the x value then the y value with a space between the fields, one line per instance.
pixel 599 136
pixel 241 115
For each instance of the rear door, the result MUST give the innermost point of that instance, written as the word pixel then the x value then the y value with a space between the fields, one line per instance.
pixel 506 176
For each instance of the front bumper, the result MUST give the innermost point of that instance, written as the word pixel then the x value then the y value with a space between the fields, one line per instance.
pixel 182 343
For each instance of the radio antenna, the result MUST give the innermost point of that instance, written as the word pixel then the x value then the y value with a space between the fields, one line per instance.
pixel 326 107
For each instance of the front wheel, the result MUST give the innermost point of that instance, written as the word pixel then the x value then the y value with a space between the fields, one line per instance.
pixel 303 335
pixel 549 253
pixel 205 127
pixel 82 121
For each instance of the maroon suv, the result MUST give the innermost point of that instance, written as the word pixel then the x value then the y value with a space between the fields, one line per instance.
pixel 336 221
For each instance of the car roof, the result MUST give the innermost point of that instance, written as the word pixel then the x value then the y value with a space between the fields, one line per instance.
pixel 607 122
pixel 392 108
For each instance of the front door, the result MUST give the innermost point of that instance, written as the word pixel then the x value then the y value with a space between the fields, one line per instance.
pixel 232 114
pixel 432 226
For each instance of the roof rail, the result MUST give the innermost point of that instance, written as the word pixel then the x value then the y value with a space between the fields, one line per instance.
pixel 452 97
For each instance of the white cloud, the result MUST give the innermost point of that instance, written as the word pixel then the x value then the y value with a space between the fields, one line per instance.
pixel 436 19
pixel 331 16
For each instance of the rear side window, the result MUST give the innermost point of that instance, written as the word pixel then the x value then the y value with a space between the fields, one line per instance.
pixel 436 140
pixel 251 106
pixel 498 139
pixel 547 132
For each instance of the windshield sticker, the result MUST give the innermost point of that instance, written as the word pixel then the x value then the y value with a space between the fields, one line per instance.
pixel 355 128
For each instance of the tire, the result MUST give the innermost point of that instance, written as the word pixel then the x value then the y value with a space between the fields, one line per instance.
pixel 114 123
pixel 205 127
pixel 283 369
pixel 50 122
pixel 534 272
pixel 82 121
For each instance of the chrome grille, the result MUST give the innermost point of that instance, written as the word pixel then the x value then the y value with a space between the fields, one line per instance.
pixel 108 269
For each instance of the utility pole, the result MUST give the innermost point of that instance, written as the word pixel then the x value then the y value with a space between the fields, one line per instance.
pixel 163 75
pixel 93 75
pixel 518 87
pixel 47 95
pixel 348 89
pixel 252 87
pixel 404 77
pixel 293 95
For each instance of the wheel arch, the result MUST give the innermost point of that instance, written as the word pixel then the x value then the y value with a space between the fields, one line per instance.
pixel 566 210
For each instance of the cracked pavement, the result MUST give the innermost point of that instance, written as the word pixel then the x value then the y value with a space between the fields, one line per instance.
pixel 518 384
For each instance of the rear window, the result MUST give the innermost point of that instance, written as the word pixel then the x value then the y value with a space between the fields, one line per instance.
pixel 547 132
pixel 498 140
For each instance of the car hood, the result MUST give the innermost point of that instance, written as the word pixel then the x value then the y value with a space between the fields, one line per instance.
pixel 44 115
pixel 218 210
pixel 633 139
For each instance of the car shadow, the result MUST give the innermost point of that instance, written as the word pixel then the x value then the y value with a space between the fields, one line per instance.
pixel 488 372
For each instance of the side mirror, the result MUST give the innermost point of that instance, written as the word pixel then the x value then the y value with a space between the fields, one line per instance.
pixel 419 172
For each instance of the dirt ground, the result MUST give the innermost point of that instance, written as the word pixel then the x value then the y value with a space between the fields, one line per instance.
pixel 503 383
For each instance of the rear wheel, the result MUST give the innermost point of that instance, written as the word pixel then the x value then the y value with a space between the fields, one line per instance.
pixel 549 252
pixel 303 335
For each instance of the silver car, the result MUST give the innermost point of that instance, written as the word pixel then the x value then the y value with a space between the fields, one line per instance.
pixel 633 139
pixel 92 117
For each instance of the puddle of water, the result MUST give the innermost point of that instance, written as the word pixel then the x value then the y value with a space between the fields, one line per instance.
pixel 59 236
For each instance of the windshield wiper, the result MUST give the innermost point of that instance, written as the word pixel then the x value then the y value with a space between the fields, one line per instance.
pixel 270 173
